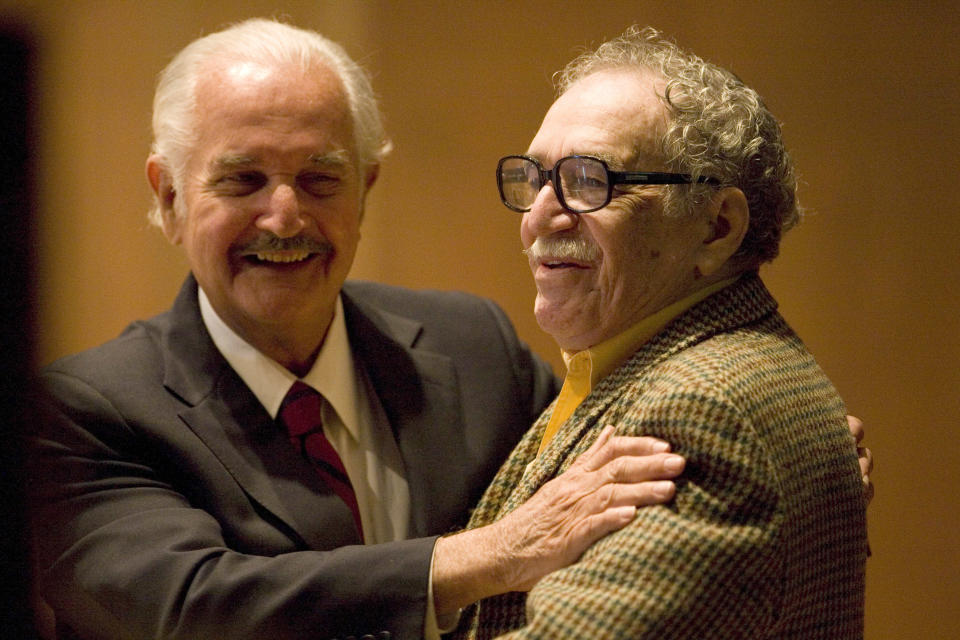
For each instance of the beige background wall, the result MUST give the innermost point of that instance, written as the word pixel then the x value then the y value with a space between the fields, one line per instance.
pixel 868 94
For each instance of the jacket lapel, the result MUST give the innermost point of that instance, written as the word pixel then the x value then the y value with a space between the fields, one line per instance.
pixel 229 420
pixel 418 392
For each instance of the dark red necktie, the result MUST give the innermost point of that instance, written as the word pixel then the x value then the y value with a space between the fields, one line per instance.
pixel 300 412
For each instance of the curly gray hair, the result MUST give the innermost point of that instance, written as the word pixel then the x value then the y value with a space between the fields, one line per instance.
pixel 717 127
pixel 265 41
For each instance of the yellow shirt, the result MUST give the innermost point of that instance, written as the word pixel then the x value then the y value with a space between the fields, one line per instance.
pixel 586 368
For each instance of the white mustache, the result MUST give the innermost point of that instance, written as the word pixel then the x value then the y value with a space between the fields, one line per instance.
pixel 267 242
pixel 563 248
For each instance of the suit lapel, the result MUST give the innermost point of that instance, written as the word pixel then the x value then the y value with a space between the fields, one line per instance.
pixel 229 420
pixel 418 392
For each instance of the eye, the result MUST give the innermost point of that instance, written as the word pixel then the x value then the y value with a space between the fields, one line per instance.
pixel 584 184
pixel 240 183
pixel 319 183
pixel 583 175
pixel 591 177
pixel 591 182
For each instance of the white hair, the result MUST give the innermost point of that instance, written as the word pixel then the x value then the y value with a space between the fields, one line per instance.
pixel 263 41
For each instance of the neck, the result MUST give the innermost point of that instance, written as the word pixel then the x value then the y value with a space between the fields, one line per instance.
pixel 295 350
pixel 292 341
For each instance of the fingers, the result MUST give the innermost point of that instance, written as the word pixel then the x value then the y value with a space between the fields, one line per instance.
pixel 608 447
pixel 642 494
pixel 597 447
pixel 864 455
pixel 606 499
pixel 639 481
pixel 866 460
pixel 622 482
pixel 632 469
pixel 866 467
pixel 856 428
pixel 623 471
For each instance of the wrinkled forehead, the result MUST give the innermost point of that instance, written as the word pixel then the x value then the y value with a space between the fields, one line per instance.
pixel 616 115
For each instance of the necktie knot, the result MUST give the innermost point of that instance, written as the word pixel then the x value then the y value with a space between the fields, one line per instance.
pixel 302 410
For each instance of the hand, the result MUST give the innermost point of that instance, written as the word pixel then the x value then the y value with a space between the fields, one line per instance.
pixel 598 494
pixel 864 454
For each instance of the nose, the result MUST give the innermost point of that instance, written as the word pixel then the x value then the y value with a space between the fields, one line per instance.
pixel 547 216
pixel 282 215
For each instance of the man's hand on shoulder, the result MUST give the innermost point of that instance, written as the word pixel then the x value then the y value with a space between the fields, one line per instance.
pixel 598 494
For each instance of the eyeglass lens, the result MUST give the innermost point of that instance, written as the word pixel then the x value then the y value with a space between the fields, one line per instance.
pixel 583 182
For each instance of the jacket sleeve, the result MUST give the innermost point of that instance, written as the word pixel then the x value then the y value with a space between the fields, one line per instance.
pixel 123 553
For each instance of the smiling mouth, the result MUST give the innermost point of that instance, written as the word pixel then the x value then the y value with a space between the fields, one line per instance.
pixel 280 257
pixel 269 250
pixel 561 263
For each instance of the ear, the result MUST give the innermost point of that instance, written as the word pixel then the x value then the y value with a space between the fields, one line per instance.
pixel 728 220
pixel 161 181
pixel 371 174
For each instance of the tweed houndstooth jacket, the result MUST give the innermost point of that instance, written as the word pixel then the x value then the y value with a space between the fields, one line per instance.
pixel 766 537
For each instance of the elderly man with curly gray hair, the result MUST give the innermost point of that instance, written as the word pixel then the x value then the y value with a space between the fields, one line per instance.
pixel 653 191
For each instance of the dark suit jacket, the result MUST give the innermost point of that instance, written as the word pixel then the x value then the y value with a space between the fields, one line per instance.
pixel 766 537
pixel 168 504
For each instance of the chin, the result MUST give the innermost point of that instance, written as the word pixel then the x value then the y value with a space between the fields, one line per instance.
pixel 561 328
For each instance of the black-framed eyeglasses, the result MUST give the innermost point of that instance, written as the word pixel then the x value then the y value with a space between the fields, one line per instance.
pixel 582 183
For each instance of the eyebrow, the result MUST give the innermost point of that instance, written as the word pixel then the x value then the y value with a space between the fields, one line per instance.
pixel 232 161
pixel 612 161
pixel 330 159
pixel 615 163
pixel 335 158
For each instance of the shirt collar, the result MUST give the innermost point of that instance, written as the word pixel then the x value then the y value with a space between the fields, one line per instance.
pixel 601 359
pixel 333 373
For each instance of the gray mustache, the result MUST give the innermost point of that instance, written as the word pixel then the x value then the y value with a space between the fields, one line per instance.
pixel 269 242
pixel 563 248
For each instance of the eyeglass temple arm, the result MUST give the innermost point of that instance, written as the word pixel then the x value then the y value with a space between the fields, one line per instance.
pixel 655 177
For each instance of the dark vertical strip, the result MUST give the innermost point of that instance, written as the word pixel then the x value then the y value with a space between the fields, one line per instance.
pixel 17 219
